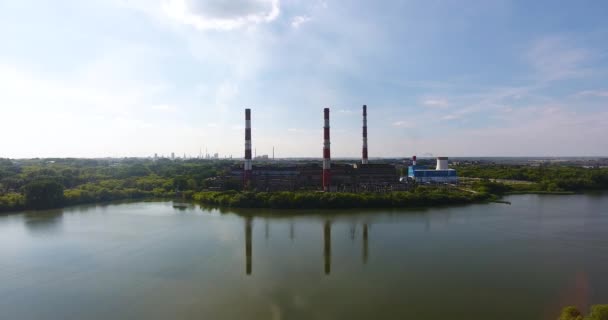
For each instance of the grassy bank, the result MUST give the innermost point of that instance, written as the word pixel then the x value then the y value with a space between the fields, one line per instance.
pixel 421 197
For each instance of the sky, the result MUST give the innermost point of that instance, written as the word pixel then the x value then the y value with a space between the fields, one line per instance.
pixel 125 78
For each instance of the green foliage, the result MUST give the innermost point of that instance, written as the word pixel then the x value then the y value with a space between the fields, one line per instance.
pixel 545 177
pixel 570 313
pixel 302 200
pixel 598 312
pixel 88 181
pixel 12 202
pixel 44 194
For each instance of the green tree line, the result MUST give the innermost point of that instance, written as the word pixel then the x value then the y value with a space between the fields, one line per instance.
pixel 50 183
pixel 543 177
pixel 421 196
pixel 597 312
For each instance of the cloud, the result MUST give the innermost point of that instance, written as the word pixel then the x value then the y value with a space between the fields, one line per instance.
pixel 436 102
pixel 451 117
pixel 225 94
pixel 297 21
pixel 593 93
pixel 556 58
pixel 346 111
pixel 220 14
pixel 163 107
pixel 403 124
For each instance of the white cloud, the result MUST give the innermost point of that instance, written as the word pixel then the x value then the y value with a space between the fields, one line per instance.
pixel 436 102
pixel 163 107
pixel 451 117
pixel 556 58
pixel 346 111
pixel 221 14
pixel 403 124
pixel 225 94
pixel 297 21
pixel 593 93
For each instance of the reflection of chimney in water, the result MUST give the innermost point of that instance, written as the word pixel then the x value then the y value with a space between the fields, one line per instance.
pixel 291 230
pixel 266 229
pixel 248 228
pixel 365 248
pixel 352 233
pixel 327 246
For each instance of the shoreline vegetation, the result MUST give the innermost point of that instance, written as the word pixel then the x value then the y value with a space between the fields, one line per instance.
pixel 420 197
pixel 52 183
pixel 596 312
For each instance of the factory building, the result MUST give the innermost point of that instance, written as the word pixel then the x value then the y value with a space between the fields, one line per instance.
pixel 441 174
pixel 309 176
pixel 327 175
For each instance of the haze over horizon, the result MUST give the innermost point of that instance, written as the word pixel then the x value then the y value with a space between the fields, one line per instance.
pixel 458 78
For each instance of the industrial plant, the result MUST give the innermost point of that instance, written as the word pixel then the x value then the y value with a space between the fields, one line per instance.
pixel 329 176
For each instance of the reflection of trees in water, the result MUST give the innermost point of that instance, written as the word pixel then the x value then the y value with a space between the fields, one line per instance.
pixel 43 222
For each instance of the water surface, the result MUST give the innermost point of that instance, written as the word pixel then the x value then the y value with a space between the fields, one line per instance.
pixel 152 261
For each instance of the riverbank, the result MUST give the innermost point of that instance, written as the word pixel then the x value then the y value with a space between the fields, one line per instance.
pixel 421 197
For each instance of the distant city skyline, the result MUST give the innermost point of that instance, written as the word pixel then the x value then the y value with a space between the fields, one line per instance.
pixel 135 78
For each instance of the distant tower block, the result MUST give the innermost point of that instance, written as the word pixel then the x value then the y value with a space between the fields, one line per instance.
pixel 326 153
pixel 247 165
pixel 442 163
pixel 414 160
pixel 364 150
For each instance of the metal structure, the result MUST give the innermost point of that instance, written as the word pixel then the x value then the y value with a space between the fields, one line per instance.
pixel 441 174
pixel 364 150
pixel 326 152
pixel 442 163
pixel 248 165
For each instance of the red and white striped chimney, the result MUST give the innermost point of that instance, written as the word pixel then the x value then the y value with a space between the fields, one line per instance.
pixel 364 150
pixel 326 153
pixel 247 166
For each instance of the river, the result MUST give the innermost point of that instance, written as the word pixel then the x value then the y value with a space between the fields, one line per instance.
pixel 149 260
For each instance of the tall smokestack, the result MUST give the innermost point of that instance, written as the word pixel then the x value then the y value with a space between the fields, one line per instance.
pixel 414 160
pixel 247 167
pixel 326 153
pixel 364 150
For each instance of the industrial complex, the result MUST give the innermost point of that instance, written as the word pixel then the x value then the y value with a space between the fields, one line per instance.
pixel 361 176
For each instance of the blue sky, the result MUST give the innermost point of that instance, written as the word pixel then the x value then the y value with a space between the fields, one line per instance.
pixel 457 78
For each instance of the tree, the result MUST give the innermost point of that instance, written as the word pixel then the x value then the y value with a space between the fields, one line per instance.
pixel 598 312
pixel 44 194
pixel 570 313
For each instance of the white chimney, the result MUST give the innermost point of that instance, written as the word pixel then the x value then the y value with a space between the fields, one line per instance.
pixel 442 163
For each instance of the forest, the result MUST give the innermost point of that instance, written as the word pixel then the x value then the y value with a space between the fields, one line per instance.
pixel 549 178
pixel 49 183
pixel 419 197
